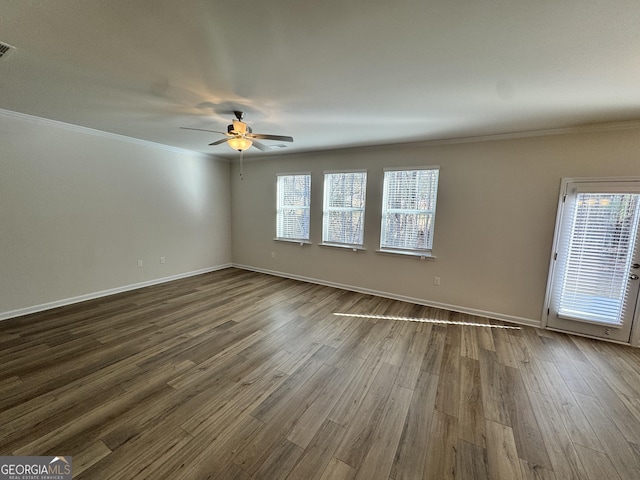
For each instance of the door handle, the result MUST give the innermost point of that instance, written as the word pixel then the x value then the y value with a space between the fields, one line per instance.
pixel 633 276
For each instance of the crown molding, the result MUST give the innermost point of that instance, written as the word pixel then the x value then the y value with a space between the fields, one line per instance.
pixel 99 133
pixel 579 129
pixel 591 128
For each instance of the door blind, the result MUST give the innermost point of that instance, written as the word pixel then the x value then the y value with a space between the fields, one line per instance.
pixel 596 257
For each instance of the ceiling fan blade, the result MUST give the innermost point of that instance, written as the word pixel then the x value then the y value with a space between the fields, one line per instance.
pixel 218 142
pixel 260 146
pixel 203 130
pixel 264 136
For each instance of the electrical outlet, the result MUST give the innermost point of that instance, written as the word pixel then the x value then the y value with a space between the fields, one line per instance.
pixel 140 263
pixel 162 260
pixel 436 281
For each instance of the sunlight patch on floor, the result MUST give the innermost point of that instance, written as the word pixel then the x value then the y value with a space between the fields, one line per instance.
pixel 425 320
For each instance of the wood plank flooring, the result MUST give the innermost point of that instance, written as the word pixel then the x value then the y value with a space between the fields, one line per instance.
pixel 240 375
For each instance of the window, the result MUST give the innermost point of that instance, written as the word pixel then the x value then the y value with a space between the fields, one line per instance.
pixel 292 214
pixel 409 209
pixel 343 215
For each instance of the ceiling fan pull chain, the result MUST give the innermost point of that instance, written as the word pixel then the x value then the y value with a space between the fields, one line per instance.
pixel 241 166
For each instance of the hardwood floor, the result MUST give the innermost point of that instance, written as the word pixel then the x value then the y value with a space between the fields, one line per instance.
pixel 239 375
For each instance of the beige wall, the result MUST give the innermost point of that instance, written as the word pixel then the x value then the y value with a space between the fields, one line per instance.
pixel 494 223
pixel 78 209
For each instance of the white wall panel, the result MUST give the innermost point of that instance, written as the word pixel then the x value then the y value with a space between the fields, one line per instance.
pixel 79 208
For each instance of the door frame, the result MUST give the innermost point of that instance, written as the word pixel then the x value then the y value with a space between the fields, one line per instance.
pixel 634 339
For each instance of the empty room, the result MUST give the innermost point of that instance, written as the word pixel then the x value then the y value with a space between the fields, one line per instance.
pixel 319 240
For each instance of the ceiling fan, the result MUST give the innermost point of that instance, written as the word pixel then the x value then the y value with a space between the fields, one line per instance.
pixel 240 136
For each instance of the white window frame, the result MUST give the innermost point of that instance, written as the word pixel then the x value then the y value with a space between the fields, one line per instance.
pixel 414 248
pixel 328 209
pixel 282 207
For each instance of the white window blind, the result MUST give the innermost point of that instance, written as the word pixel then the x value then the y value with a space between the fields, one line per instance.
pixel 343 213
pixel 596 256
pixel 292 211
pixel 409 209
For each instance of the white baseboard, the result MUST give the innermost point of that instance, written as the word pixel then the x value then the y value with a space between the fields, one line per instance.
pixel 419 301
pixel 105 293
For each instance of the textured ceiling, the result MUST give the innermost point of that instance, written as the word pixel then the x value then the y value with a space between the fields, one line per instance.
pixel 329 73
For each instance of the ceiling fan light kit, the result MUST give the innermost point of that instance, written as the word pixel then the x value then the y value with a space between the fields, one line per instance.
pixel 239 143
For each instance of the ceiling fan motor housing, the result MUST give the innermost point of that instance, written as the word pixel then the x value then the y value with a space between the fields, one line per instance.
pixel 238 128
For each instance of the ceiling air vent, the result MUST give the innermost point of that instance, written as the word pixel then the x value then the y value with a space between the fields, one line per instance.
pixel 5 50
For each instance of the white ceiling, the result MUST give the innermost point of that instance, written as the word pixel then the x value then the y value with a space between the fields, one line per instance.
pixel 329 73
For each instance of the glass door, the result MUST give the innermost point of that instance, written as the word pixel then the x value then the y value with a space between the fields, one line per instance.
pixel 594 276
